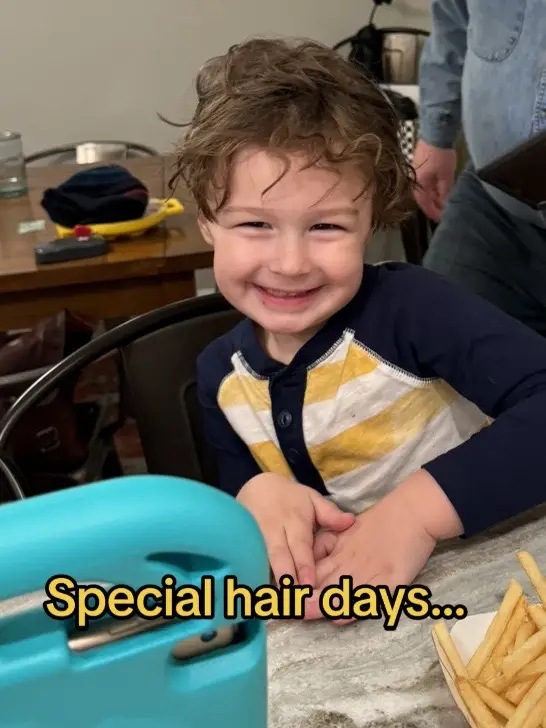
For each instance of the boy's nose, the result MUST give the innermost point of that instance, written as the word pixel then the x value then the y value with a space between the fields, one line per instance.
pixel 291 258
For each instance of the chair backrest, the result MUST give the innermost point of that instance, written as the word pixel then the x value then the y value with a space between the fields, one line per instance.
pixel 160 371
pixel 91 152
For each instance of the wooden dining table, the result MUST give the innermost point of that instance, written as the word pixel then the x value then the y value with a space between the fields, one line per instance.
pixel 136 275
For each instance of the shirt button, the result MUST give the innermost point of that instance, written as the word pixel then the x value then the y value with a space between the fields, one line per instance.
pixel 284 419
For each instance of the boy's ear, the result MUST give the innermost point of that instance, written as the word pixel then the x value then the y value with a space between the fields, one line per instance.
pixel 204 229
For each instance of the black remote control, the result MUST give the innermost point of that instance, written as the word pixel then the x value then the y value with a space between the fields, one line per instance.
pixel 66 249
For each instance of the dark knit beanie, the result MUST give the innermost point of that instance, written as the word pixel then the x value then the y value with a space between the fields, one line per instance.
pixel 95 196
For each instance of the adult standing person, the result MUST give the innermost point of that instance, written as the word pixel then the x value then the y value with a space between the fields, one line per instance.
pixel 483 69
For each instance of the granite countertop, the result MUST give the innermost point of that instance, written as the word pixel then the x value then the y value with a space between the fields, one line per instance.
pixel 361 676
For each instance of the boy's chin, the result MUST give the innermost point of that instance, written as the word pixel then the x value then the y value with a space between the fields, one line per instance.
pixel 288 328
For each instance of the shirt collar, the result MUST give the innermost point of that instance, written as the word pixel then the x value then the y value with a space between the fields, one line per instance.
pixel 266 367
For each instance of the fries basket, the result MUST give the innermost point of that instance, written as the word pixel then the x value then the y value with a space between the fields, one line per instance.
pixel 495 663
pixel 467 636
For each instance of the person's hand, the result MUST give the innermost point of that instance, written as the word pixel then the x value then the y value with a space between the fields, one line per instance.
pixel 288 514
pixel 435 173
pixel 323 544
pixel 389 544
pixel 386 546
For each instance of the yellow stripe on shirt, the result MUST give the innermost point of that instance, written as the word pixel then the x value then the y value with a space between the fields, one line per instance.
pixel 270 459
pixel 243 389
pixel 382 434
pixel 325 380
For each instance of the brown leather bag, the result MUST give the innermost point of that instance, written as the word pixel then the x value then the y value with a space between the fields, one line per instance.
pixel 47 439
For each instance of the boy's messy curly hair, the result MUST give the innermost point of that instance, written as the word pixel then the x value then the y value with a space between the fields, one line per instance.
pixel 291 98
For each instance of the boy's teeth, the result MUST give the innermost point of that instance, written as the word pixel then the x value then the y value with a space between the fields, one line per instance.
pixel 284 294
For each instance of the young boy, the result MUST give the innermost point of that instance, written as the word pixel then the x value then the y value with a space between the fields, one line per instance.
pixel 360 413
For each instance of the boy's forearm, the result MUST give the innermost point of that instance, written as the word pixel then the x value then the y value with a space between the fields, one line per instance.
pixel 424 497
pixel 498 473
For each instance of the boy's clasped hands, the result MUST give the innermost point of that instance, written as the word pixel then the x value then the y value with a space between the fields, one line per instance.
pixel 309 538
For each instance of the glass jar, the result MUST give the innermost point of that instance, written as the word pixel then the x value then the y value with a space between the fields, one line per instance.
pixel 13 174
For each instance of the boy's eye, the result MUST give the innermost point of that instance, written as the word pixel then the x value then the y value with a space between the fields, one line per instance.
pixel 260 225
pixel 326 226
pixel 256 224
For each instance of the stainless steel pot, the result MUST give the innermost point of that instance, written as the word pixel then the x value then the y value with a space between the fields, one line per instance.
pixel 401 53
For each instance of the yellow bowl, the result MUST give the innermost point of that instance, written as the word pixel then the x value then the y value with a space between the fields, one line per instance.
pixel 157 211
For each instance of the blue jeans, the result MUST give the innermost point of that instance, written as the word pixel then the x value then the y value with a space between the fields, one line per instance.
pixel 485 249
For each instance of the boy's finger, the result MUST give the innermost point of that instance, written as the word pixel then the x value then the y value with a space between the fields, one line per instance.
pixel 327 569
pixel 301 549
pixel 313 604
pixel 328 574
pixel 325 542
pixel 329 516
pixel 375 582
pixel 312 607
pixel 280 558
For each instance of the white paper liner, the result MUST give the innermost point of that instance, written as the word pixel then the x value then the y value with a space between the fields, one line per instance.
pixel 467 635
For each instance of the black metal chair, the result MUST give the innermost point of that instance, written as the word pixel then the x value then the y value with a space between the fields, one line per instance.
pixel 159 351
pixel 91 152
pixel 415 232
pixel 95 429
pixel 165 406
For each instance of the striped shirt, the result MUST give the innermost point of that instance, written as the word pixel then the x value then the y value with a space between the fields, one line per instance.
pixel 413 373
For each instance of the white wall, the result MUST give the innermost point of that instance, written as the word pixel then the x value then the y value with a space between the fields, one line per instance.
pixel 100 69
pixel 76 69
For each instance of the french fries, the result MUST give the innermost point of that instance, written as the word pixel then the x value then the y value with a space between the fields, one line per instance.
pixel 503 685
pixel 496 629
pixel 538 615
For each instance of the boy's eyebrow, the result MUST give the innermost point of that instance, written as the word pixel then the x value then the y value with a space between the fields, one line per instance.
pixel 251 210
pixel 351 211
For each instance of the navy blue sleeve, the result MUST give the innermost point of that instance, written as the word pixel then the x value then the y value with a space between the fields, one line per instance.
pixel 234 462
pixel 500 365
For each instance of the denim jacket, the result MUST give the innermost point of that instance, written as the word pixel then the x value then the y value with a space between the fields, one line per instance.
pixel 484 67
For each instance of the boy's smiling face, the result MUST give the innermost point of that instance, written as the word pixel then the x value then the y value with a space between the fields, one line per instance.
pixel 291 257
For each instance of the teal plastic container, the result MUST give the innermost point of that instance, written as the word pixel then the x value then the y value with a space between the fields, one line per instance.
pixel 130 531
